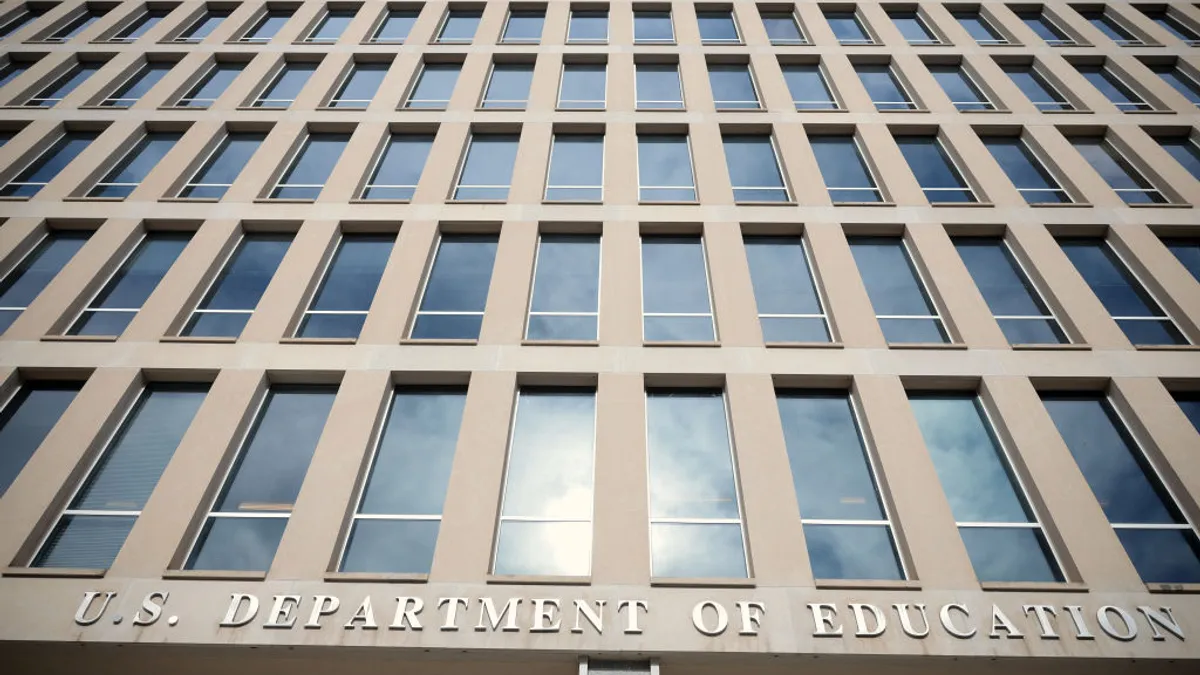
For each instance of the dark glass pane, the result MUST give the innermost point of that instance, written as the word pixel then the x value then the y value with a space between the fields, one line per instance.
pixel 1185 151
pixel 808 87
pixel 461 274
pixel 459 26
pixel 1188 252
pixel 588 26
pixel 36 270
pixel 1003 285
pixel 238 544
pixel 1189 403
pixel 846 27
pixel 852 552
pixel 133 168
pixel 1163 556
pixel 246 275
pixel 674 278
pixel 568 274
pixel 139 275
pixel 1009 554
pixel 1109 279
pixel 391 546
pixel 524 26
pixel 85 542
pixel 697 550
pixel 935 172
pixel 651 26
pixel 226 164
pixel 890 277
pixel 354 273
pixel 396 26
pixel 26 420
pixel 717 26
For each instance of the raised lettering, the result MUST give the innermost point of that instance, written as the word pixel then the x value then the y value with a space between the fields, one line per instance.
pixel 323 605
pixel 824 614
pixel 861 629
pixel 1001 622
pixel 487 610
pixel 631 621
pixel 1081 629
pixel 81 616
pixel 281 615
pixel 235 604
pixel 406 616
pixel 545 616
pixel 451 604
pixel 1164 619
pixel 1045 618
pixel 152 609
pixel 948 622
pixel 698 618
pixel 752 613
pixel 1106 624
pixel 364 614
pixel 906 621
pixel 584 609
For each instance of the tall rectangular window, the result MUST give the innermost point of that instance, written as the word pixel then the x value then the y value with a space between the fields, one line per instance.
pixel 665 169
pixel 1045 28
pixel 35 270
pixel 508 86
pixel 847 27
pixel 26 419
pixel 331 26
pixel 399 511
pixel 1182 82
pixel 935 170
pixel 47 164
pixel 884 87
pixel 76 25
pixel 676 303
pixel 979 28
pixel 14 68
pixel 1185 150
pixel 782 28
pixel 717 27
pixel 897 292
pixel 458 26
pixel 395 27
pixel 434 86
pixel 93 528
pixel 809 87
pixel 267 26
pixel 339 307
pixel 19 19
pixel 233 296
pixel 286 85
pixel 64 84
pixel 133 89
pixel 583 86
pixel 1002 533
pixel 847 527
pixel 523 27
pixel 1010 295
pixel 217 174
pixel 1189 403
pixel 118 301
pixel 1120 94
pixel 487 167
pixel 132 169
pixel 546 513
pixel 1043 95
pixel 399 167
pixel 695 508
pixel 1155 533
pixel 912 26
pixel 588 26
pixel 576 172
pixel 243 529
pixel 658 86
pixel 845 172
pixel 1168 21
pixel 789 306
pixel 1187 250
pixel 961 88
pixel 209 88
pixel 360 85
pixel 1128 302
pixel 653 27
pixel 565 304
pixel 1112 28
pixel 733 87
pixel 456 288
pixel 1117 170
pixel 753 166
pixel 310 166
pixel 203 26
pixel 140 25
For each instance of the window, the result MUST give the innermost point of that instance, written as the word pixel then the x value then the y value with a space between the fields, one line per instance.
pixel 118 301
pixel 658 86
pixel 63 85
pixel 434 86
pixel 1180 81
pixel 399 167
pixel 231 299
pixel 847 28
pixel 1028 174
pixel 754 168
pixel 913 27
pixel 395 27
pixel 1155 533
pixel 576 172
pixel 395 525
pixel 134 88
pixel 979 28
pixel 653 27
pixel 456 288
pixel 14 68
pixel 79 23
pixel 216 175
pixel 844 171
pixel 19 19
pixel 267 26
pixel 26 419
pixel 960 88
pixel 935 170
pixel 665 169
pixel 133 168
pixel 717 27
pixel 1111 27
pixel 583 86
pixel 523 27
pixel 339 307
pixel 733 87
pixel 1010 295
pixel 48 163
pixel 360 85
pixel 1187 249
pixel 286 85
pixel 809 87
pixel 34 271
pixel 209 88
pixel 1126 299
pixel 1044 96
pixel 1168 21
pixel 896 290
pixel 1000 529
pixel 1114 89
pixel 203 26
pixel 884 87
pixel 1185 150
pixel 566 288
pixel 93 527
pixel 587 25
pixel 695 508
pixel 310 166
pixel 487 167
pixel 1117 171
pixel 676 305
pixel 1045 28
pixel 546 513
pixel 846 522
pixel 458 26
pixel 140 25
pixel 1189 403
pixel 331 26
pixel 783 28
pixel 508 86
pixel 789 306
pixel 245 525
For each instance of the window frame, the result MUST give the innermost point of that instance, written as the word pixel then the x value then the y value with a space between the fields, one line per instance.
pixel 562 72
pixel 344 81
pixel 654 41
pixel 779 168
pixel 691 165
pixel 462 166
pixel 1130 168
pixel 935 38
pixel 293 156
pixel 738 38
pixel 186 37
pixel 588 41
pixel 722 104
pixel 184 100
pixel 868 167
pixel 1034 70
pixel 218 276
pixel 939 314
pixel 407 104
pixel 1039 14
pixel 826 82
pixel 377 161
pixel 780 13
pixel 328 13
pixel 530 312
pixel 554 136
pixel 637 102
pixel 869 38
pixel 78 316
pixel 447 14
pixel 427 276
pixel 822 302
pixel 388 12
pixel 976 13
pixel 506 103
pixel 210 157
pixel 505 40
pixel 147 66
pixel 260 100
pixel 712 310
pixel 985 105
pixel 1050 169
pixel 912 104
pixel 1031 283
pixel 247 36
pixel 952 163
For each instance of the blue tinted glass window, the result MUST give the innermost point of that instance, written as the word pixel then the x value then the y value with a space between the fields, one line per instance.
pixel 339 307
pixel 653 26
pixel 978 27
pixel 64 85
pixel 843 169
pixel 459 26
pixel 1045 28
pixel 140 26
pixel 782 28
pixel 566 288
pixel 524 27
pixel 1117 171
pixel 396 25
pixel 1009 294
pixel 884 88
pixel 286 86
pixel 19 19
pixel 904 310
pixel 1180 81
pixel 1120 94
pixel 133 168
pixel 217 174
pixel 1187 249
pixel 487 168
pixel 1189 403
pixel 77 25
pixel 1170 23
pixel 847 28
pixel 13 69
pixel 332 25
pixel 508 86
pixel 960 88
pixel 588 26
pixel 665 169
pixel 203 26
pixel 658 86
pixel 1185 151
pixel 1027 173
pixel 676 305
pixel 576 168
pixel 212 85
pixel 789 308
pixel 717 27
pixel 754 169
pixel 399 167
pixel 809 88
pixel 913 28
pixel 733 87
pixel 305 178
pixel 583 86
pixel 268 25
pixel 360 85
pixel 1040 93
pixel 26 420
pixel 35 271
pixel 229 302
pixel 47 164
pixel 1110 27
pixel 434 86
pixel 136 87
pixel 935 171
pixel 456 289
pixel 119 300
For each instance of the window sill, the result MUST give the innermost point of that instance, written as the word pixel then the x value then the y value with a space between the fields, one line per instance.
pixel 888 203
pixel 1035 586
pixel 645 203
pixel 1148 112
pixel 822 110
pixel 79 338
pixel 1169 205
pixel 214 575
pixel 317 341
pixel 1059 205
pixel 701 582
pixel 984 112
pixel 805 345
pixel 538 579
pixel 926 345
pixel 441 341
pixel 190 200
pixel 268 200
pixel 869 584
pixel 93 199
pixel 1173 588
pixel 376 577
pixel 1167 348
pixel 380 201
pixel 54 572
pixel 333 108
pixel 13 198
pixel 190 339
pixel 681 343
pixel 560 343
pixel 902 111
pixel 572 202
pixel 1057 347
pixel 592 110
pixel 788 203
pixel 476 201
pixel 968 205
pixel 741 110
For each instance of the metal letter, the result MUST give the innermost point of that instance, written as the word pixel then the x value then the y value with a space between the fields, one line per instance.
pixel 1044 615
pixel 1165 619
pixel 366 614
pixel 543 612
pixel 323 605
pixel 1081 629
pixel 631 626
pixel 698 617
pixel 152 609
pixel 452 611
pixel 906 622
pixel 595 618
pixel 860 620
pixel 281 612
pixel 752 613
pixel 1001 622
pixel 823 622
pixel 487 610
pixel 1107 626
pixel 81 617
pixel 948 623
pixel 235 603
pixel 404 615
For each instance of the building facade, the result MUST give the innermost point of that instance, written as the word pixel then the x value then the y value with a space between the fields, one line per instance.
pixel 599 337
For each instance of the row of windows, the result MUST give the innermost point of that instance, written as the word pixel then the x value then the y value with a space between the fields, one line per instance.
pixel 696 521
pixel 564 300
pixel 588 24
